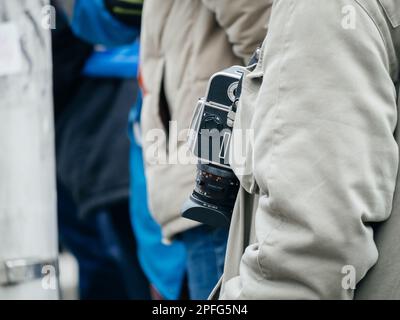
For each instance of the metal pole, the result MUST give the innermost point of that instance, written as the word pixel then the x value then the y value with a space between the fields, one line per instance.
pixel 28 228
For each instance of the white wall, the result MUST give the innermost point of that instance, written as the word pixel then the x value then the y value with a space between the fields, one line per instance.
pixel 27 164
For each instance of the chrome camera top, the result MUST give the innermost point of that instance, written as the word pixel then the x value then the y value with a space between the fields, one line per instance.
pixel 210 136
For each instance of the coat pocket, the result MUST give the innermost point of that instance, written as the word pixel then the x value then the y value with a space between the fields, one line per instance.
pixel 152 117
pixel 154 138
pixel 392 10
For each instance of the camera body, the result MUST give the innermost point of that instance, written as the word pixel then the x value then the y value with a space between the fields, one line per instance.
pixel 216 189
pixel 210 134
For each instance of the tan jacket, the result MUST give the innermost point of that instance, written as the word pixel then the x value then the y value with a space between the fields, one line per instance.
pixel 183 43
pixel 323 104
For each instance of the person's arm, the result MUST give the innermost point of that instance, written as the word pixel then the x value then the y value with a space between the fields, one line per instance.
pixel 93 22
pixel 245 22
pixel 325 158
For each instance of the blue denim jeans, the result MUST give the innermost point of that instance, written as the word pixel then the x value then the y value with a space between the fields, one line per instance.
pixel 105 248
pixel 206 249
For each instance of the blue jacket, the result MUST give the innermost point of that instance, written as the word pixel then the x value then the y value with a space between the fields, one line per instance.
pixel 165 266
pixel 118 55
pixel 92 22
pixel 119 62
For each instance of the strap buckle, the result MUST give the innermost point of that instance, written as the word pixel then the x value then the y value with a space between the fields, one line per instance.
pixel 13 272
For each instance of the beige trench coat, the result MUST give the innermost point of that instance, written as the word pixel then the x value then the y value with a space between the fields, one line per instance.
pixel 316 211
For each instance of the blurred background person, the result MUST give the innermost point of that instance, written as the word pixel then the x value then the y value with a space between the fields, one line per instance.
pixel 183 43
pixel 114 23
pixel 93 92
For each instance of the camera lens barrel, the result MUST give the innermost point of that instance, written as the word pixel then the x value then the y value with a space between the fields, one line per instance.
pixel 213 198
pixel 216 185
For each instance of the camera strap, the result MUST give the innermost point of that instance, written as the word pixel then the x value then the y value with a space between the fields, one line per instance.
pixel 252 64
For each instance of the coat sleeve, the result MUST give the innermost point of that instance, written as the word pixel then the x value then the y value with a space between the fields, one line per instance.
pixel 245 22
pixel 325 157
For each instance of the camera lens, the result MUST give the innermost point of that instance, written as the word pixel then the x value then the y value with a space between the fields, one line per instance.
pixel 213 198
pixel 216 185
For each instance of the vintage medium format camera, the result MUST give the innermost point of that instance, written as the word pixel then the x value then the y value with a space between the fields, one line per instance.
pixel 216 189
